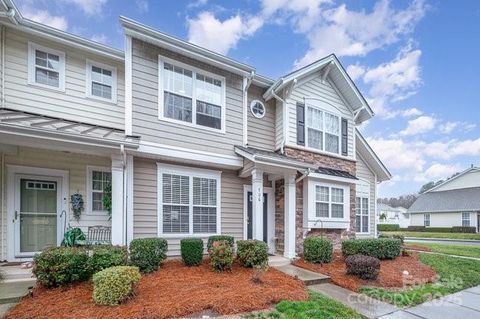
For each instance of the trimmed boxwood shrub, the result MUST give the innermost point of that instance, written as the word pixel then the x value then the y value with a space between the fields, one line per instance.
pixel 113 285
pixel 388 227
pixel 192 251
pixel 317 250
pixel 396 236
pixel 463 229
pixel 230 240
pixel 382 248
pixel 252 253
pixel 221 256
pixel 107 256
pixel 148 253
pixel 364 267
pixel 59 266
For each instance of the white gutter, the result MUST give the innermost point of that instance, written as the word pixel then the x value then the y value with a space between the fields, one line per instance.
pixel 2 202
pixel 3 66
pixel 10 14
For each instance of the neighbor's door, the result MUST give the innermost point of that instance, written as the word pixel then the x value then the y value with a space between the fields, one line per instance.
pixel 250 217
pixel 37 203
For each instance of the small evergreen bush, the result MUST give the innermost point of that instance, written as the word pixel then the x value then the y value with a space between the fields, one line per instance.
pixel 211 239
pixel 395 236
pixel 148 253
pixel 59 266
pixel 113 285
pixel 221 256
pixel 252 253
pixel 364 267
pixel 317 250
pixel 192 251
pixel 388 227
pixel 381 248
pixel 107 256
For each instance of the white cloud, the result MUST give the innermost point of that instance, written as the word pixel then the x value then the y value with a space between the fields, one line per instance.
pixel 142 5
pixel 397 154
pixel 197 3
pixel 355 71
pixel 411 112
pixel 448 127
pixel 221 36
pixel 90 7
pixel 102 38
pixel 421 124
pixel 440 171
pixel 44 17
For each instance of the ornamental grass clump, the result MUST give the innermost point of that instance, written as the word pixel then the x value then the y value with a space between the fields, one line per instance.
pixel 221 256
pixel 317 250
pixel 148 253
pixel 113 285
pixel 192 251
pixel 364 267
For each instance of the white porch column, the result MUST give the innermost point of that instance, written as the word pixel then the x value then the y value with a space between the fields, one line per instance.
pixel 257 204
pixel 118 201
pixel 290 214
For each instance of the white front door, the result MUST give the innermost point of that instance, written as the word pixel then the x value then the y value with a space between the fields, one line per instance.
pixel 37 214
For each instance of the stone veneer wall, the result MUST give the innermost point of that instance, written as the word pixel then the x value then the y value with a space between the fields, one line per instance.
pixel 336 235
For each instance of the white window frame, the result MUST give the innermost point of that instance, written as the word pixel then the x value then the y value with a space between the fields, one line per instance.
pixel 90 170
pixel 312 187
pixel 426 219
pixel 469 219
pixel 339 116
pixel 191 172
pixel 32 47
pixel 252 104
pixel 161 61
pixel 88 81
pixel 363 192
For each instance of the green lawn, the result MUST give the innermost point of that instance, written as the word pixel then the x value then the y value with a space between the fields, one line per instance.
pixel 455 274
pixel 459 250
pixel 318 307
pixel 435 235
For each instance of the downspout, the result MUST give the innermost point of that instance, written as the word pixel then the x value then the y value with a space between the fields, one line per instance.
pixel 247 81
pixel 3 201
pixel 3 66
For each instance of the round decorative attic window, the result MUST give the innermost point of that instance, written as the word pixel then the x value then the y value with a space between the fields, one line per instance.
pixel 258 109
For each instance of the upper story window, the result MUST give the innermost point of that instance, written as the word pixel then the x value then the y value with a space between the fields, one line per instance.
pixel 258 109
pixel 101 81
pixel 190 96
pixel 46 67
pixel 323 130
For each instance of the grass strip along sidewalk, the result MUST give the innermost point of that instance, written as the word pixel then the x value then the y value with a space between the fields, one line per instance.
pixel 469 236
pixel 458 250
pixel 455 274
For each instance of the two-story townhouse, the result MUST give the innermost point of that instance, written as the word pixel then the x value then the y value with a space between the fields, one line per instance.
pixel 193 143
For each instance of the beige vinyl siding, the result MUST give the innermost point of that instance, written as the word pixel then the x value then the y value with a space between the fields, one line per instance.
pixel 145 218
pixel 146 122
pixel 313 87
pixel 261 132
pixel 365 174
pixel 71 104
pixel 76 165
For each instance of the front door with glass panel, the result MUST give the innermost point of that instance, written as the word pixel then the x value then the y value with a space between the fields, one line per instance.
pixel 37 203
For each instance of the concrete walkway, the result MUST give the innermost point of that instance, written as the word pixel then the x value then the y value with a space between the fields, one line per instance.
pixel 16 285
pixel 461 305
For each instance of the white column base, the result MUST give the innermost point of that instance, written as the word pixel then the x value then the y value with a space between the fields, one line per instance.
pixel 290 216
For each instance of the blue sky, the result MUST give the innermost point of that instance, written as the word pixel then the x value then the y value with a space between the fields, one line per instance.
pixel 416 62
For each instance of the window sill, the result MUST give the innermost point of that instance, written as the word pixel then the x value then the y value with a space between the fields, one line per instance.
pixel 330 223
pixel 99 99
pixel 47 87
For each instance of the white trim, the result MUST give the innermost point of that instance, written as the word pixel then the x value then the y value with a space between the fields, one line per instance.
pixel 465 219
pixel 264 109
pixel 32 47
pixel 362 191
pixel 89 190
pixel 195 70
pixel 373 155
pixel 245 111
pixel 190 172
pixel 334 178
pixel 468 170
pixel 12 172
pixel 270 214
pixel 128 86
pixel 324 111
pixel 88 81
pixel 130 184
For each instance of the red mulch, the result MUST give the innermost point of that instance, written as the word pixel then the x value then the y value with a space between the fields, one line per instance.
pixel 417 247
pixel 173 291
pixel 391 272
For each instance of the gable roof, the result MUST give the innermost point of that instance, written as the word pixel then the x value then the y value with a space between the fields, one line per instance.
pixel 382 206
pixel 339 76
pixel 456 200
pixel 368 155
pixel 468 170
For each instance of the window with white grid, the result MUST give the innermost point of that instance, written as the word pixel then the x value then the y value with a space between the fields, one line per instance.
pixel 322 201
pixel 323 130
pixel 426 220
pixel 98 179
pixel 46 67
pixel 101 81
pixel 466 219
pixel 361 214
pixel 329 201
pixel 189 201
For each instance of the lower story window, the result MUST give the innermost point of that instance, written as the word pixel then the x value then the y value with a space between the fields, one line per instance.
pixel 189 201
pixel 361 214
pixel 426 220
pixel 99 179
pixel 329 202
pixel 466 219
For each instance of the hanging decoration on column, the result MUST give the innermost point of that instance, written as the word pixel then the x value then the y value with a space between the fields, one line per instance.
pixel 77 205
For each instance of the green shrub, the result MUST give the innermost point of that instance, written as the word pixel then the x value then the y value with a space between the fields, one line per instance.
pixel 382 248
pixel 148 253
pixel 214 238
pixel 364 267
pixel 107 256
pixel 113 285
pixel 395 236
pixel 59 266
pixel 416 228
pixel 2 275
pixel 73 237
pixel 388 227
pixel 317 249
pixel 252 253
pixel 192 251
pixel 463 229
pixel 221 255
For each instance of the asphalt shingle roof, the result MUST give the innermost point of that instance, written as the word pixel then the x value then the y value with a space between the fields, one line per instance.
pixel 457 200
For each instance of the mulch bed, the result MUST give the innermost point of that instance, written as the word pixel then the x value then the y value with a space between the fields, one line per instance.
pixel 173 291
pixel 417 247
pixel 391 272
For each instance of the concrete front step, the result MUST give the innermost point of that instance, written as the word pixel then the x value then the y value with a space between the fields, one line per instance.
pixel 11 292
pixel 307 276
pixel 13 273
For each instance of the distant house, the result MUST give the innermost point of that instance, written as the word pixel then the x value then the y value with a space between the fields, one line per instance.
pixel 393 215
pixel 455 202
